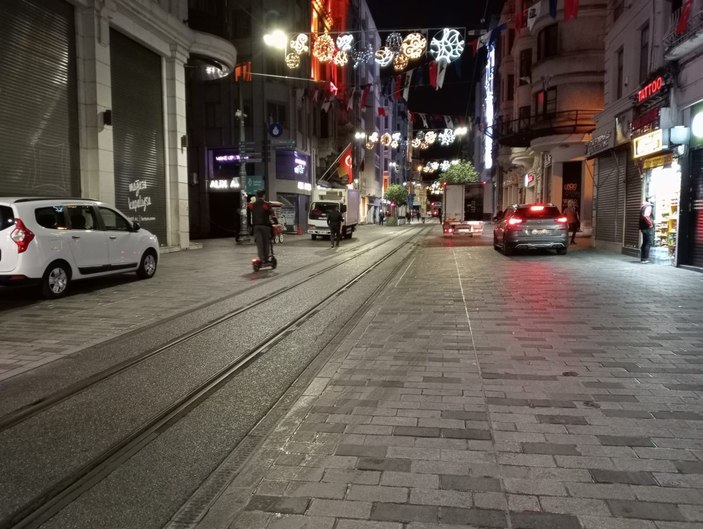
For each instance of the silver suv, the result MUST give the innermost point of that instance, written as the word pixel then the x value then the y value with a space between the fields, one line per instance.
pixel 531 226
pixel 54 241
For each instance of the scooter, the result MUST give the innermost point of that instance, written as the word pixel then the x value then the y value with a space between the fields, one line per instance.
pixel 257 264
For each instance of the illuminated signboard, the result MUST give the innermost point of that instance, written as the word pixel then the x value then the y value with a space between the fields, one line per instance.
pixel 488 106
pixel 223 184
pixel 648 144
pixel 650 89
pixel 292 165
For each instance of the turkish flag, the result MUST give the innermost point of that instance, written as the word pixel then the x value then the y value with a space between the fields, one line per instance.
pixel 682 25
pixel 345 164
pixel 571 9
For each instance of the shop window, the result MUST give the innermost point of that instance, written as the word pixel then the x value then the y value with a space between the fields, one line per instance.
pixel 510 91
pixel 619 75
pixel 548 42
pixel 644 53
pixel 525 66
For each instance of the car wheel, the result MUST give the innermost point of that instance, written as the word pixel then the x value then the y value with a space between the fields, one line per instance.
pixel 147 268
pixel 313 237
pixel 561 251
pixel 495 243
pixel 55 281
pixel 507 249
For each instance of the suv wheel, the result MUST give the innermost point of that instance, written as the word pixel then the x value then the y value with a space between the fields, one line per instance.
pixel 147 268
pixel 561 251
pixel 54 283
pixel 507 249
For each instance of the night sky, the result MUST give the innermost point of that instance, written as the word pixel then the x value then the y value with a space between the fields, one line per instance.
pixel 453 98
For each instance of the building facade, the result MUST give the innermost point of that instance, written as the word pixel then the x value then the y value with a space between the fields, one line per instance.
pixel 101 112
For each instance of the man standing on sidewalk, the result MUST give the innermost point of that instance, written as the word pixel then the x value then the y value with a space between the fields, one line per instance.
pixel 647 229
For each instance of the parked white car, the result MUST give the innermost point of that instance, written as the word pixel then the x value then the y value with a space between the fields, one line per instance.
pixel 55 241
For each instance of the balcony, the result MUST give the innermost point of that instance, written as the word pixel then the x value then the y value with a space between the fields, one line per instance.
pixel 678 46
pixel 520 132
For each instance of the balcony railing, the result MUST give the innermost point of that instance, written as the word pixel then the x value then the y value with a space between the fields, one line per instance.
pixel 520 132
pixel 677 46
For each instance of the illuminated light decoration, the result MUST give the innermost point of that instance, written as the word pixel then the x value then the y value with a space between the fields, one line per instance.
pixel 323 49
pixel 447 46
pixel 416 143
pixel 300 44
pixel 345 42
pixel 446 137
pixel 455 162
pixel 488 107
pixel 394 144
pixel 414 45
pixel 430 137
pixel 384 56
pixel 396 136
pixel 341 58
pixel 461 131
pixel 421 135
pixel 434 165
pixel 386 139
pixel 400 62
pixel 424 145
pixel 394 41
pixel 445 165
pixel 363 56
pixel 650 89
pixel 292 60
pixel 374 137
pixel 370 144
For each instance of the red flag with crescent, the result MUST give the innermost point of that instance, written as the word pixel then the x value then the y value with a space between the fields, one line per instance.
pixel 345 164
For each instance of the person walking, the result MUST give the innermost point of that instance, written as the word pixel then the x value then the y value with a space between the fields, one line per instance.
pixel 261 212
pixel 647 229
pixel 334 221
pixel 381 217
pixel 572 219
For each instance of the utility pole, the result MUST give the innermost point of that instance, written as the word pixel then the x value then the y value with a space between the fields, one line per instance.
pixel 239 114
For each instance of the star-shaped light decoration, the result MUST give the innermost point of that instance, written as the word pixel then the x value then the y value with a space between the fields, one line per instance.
pixel 394 144
pixel 430 136
pixel 447 45
pixel 446 137
pixel 416 143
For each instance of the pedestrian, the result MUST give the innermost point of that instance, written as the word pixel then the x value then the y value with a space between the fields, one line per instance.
pixel 407 216
pixel 334 221
pixel 261 212
pixel 647 229
pixel 572 218
pixel 381 217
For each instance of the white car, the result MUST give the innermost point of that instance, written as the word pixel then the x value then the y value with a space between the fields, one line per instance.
pixel 55 241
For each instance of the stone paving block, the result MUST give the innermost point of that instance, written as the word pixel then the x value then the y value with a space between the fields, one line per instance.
pixel 446 498
pixel 416 431
pixel 543 520
pixel 665 453
pixel 576 506
pixel 534 486
pixel 316 490
pixel 351 476
pixel 473 517
pixel 522 502
pixel 371 463
pixel 645 510
pixel 693 513
pixel 689 467
pixel 550 448
pixel 562 419
pixel 600 522
pixel 466 483
pixel 679 480
pixel 363 524
pixel 340 508
pixel 409 479
pixel 360 451
pixel 600 490
pixel 618 440
pixel 278 504
pixel 466 433
pixel 396 512
pixel 527 460
pixel 618 476
pixel 668 495
pixel 382 494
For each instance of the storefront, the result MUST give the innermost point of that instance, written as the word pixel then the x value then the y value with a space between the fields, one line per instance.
pixel 691 217
pixel 293 185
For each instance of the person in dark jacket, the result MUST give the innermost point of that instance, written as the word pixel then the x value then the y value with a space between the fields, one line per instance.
pixel 647 229
pixel 334 221
pixel 261 212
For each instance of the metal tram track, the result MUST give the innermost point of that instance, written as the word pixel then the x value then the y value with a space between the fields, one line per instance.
pixel 53 500
pixel 28 411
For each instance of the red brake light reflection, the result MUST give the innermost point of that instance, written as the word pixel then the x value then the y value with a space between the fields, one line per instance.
pixel 22 236
pixel 561 220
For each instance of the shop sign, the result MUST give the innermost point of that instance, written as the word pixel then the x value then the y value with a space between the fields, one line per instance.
pixel 529 179
pixel 658 161
pixel 253 184
pixel 655 89
pixel 292 165
pixel 224 184
pixel 623 128
pixel 650 89
pixel 599 143
pixel 648 143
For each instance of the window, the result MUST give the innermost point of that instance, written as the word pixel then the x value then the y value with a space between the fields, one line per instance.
pixel 276 113
pixel 644 52
pixel 82 217
pixel 619 65
pixel 511 88
pixel 524 118
pixel 113 220
pixel 7 218
pixel 50 217
pixel 546 103
pixel 525 66
pixel 548 43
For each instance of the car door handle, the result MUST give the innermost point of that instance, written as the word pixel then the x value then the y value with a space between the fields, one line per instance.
pixel 75 236
pixel 113 237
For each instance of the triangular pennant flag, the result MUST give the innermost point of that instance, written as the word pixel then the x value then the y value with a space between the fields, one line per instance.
pixel 441 70
pixel 571 9
pixel 474 46
pixel 449 122
pixel 682 24
pixel 381 111
pixel 483 40
pixel 406 85
pixel 423 117
pixel 533 14
pixel 326 105
pixel 350 103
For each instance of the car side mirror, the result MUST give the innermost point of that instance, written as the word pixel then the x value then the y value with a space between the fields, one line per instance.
pixel 343 208
pixel 135 226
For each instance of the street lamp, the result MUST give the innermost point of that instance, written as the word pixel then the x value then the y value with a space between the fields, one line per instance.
pixel 276 38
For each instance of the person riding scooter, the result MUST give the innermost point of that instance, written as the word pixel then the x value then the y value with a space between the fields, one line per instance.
pixel 261 212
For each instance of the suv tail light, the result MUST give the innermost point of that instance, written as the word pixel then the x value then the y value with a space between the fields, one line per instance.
pixel 561 220
pixel 21 235
pixel 514 221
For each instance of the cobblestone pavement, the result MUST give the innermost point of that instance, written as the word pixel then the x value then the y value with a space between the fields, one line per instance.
pixel 531 392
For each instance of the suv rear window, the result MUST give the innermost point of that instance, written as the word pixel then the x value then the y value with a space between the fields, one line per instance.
pixel 7 219
pixel 547 212
pixel 51 217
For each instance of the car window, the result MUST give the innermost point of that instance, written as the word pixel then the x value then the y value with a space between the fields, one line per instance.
pixel 7 219
pixel 547 212
pixel 51 217
pixel 82 217
pixel 113 220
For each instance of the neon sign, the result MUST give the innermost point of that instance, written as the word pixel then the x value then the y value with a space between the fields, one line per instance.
pixel 224 184
pixel 650 89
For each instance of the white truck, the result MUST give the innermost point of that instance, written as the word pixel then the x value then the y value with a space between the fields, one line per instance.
pixel 462 209
pixel 323 200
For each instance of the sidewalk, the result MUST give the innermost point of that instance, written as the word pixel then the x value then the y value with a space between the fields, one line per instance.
pixel 537 392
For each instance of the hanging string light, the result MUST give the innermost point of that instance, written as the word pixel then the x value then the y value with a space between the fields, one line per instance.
pixel 446 137
pixel 414 45
pixel 292 60
pixel 430 137
pixel 323 49
pixel 300 44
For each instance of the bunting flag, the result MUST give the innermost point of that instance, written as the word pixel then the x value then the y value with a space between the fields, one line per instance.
pixel 315 95
pixel 433 74
pixel 441 71
pixel 474 46
pixel 553 8
pixel 406 85
pixel 571 9
pixel 483 40
pixel 533 14
pixel 350 103
pixel 682 24
pixel 495 33
pixel 519 13
pixel 365 95
pixel 423 117
pixel 449 122
pixel 326 105
pixel 381 111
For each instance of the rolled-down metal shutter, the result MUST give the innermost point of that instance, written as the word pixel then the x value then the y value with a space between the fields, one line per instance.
pixel 609 222
pixel 696 226
pixel 633 203
pixel 138 133
pixel 38 112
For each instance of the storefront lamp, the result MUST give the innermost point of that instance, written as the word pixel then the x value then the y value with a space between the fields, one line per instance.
pixel 697 125
pixel 679 135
